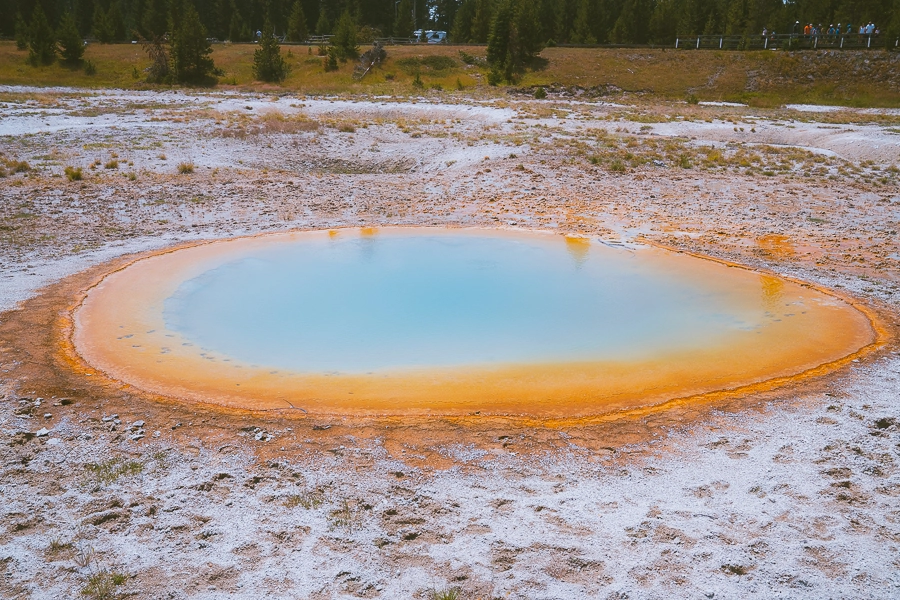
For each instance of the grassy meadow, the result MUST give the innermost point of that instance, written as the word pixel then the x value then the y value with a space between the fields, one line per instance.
pixel 763 78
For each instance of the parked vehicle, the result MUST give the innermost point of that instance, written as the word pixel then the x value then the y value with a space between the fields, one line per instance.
pixel 431 36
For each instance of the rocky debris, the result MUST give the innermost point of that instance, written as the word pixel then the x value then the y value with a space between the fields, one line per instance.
pixel 568 91
pixel 136 430
pixel 21 437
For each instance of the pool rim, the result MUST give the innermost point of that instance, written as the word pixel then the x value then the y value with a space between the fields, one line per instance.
pixel 68 352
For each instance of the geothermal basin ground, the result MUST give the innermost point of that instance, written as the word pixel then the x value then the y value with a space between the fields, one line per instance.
pixel 789 490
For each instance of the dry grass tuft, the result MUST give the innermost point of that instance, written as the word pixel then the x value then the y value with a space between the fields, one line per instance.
pixel 308 500
pixel 111 470
pixel 102 585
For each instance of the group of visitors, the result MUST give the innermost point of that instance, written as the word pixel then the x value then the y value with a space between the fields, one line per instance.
pixel 810 30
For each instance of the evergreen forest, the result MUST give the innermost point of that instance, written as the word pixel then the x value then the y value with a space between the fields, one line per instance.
pixel 468 21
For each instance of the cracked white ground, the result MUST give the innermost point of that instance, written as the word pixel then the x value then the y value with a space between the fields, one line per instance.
pixel 795 493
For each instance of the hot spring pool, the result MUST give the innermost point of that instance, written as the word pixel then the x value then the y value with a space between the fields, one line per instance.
pixel 451 322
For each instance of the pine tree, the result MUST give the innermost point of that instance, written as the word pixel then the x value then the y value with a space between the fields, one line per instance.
pixel 499 53
pixel 515 39
pixel 563 21
pixel 585 22
pixel 893 27
pixel 344 40
pixel 116 22
pixel 632 26
pixel 190 49
pixel 41 41
pixel 323 25
pixel 297 31
pixel 481 23
pixel 443 13
pixel 461 31
pixel 690 18
pixel 154 21
pixel 237 30
pixel 70 43
pixel 713 23
pixel 528 29
pixel 663 23
pixel 268 64
pixel 403 24
pixel 21 32
pixel 546 16
pixel 103 30
pixel 331 63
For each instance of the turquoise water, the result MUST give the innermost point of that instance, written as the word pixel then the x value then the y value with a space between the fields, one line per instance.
pixel 356 304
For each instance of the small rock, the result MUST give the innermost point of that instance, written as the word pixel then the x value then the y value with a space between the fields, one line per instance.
pixel 259 436
pixel 137 435
pixel 54 442
pixel 157 434
pixel 137 424
pixel 42 432
pixel 48 416
pixel 109 418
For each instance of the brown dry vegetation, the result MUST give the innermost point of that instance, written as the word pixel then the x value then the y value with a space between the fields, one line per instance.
pixel 763 78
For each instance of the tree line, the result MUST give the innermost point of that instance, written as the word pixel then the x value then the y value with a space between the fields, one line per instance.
pixel 557 21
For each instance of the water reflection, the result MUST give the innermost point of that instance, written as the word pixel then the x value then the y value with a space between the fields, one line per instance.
pixel 772 292
pixel 578 248
pixel 372 301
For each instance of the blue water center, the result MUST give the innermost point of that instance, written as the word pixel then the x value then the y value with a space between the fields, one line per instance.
pixel 354 303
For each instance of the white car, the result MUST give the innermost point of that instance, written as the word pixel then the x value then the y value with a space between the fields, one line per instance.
pixel 431 36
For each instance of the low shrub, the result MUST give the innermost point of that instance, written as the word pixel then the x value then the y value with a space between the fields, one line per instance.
pixel 415 64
